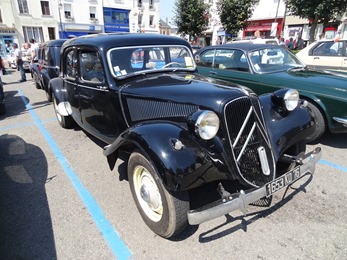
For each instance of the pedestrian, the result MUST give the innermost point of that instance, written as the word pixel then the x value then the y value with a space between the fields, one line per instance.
pixel 299 43
pixel 282 41
pixel 321 36
pixel 19 61
pixel 34 50
pixel 290 44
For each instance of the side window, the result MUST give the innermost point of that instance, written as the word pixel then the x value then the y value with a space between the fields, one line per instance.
pixel 205 59
pixel 70 64
pixel 224 60
pixel 90 67
pixel 328 49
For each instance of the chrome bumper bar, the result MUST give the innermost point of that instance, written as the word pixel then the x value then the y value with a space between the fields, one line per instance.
pixel 241 200
pixel 341 120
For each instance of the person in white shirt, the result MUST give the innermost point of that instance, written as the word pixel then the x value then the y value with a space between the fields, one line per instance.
pixel 18 55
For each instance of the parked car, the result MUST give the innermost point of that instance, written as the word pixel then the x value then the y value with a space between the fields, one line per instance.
pixel 181 131
pixel 48 65
pixel 11 60
pixel 267 68
pixel 325 54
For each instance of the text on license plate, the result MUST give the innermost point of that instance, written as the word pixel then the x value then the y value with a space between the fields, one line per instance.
pixel 282 181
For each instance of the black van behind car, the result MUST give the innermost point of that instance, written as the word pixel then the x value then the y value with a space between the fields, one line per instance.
pixel 48 65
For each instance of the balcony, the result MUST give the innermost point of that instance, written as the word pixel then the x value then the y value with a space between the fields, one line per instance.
pixel 69 18
pixel 93 20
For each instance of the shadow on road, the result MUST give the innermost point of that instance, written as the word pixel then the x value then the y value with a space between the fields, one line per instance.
pixel 25 220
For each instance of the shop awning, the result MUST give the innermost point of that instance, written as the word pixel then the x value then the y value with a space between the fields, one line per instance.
pixel 258 28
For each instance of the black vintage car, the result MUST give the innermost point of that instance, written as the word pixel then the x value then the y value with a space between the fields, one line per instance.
pixel 48 65
pixel 142 96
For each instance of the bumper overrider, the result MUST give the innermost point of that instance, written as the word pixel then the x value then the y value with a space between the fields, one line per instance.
pixel 239 201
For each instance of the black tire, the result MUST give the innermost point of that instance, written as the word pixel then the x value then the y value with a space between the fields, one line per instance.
pixel 166 212
pixel 64 121
pixel 48 95
pixel 320 123
pixel 2 108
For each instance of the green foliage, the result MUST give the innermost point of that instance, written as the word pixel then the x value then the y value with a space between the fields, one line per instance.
pixel 235 13
pixel 318 11
pixel 191 16
pixel 322 11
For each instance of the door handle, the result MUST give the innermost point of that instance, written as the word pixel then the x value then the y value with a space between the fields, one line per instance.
pixel 316 58
pixel 212 73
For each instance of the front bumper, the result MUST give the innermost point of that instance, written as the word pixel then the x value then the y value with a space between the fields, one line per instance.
pixel 240 201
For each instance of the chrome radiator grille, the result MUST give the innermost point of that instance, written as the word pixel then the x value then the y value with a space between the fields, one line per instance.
pixel 247 133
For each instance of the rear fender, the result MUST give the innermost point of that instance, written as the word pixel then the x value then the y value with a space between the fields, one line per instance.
pixel 60 94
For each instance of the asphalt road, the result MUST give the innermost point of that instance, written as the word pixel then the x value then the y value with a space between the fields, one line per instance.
pixel 59 200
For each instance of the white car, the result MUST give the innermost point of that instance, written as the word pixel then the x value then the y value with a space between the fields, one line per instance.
pixel 11 60
pixel 325 54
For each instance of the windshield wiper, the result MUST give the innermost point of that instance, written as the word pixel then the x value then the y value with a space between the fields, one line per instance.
pixel 297 68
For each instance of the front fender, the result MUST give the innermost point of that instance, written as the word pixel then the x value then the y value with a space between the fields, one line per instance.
pixel 285 130
pixel 175 153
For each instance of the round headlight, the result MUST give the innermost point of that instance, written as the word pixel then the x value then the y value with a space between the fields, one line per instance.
pixel 207 125
pixel 291 99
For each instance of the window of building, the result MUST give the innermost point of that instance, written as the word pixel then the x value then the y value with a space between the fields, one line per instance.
pixel 140 19
pixel 23 7
pixel 151 4
pixel 92 12
pixel 45 8
pixel 115 16
pixel 151 20
pixel 1 17
pixel 33 32
pixel 139 3
pixel 67 11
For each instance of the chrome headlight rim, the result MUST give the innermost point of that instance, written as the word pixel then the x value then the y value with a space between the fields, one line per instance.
pixel 207 125
pixel 291 99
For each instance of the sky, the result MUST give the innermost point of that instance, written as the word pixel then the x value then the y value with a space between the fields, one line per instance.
pixel 166 9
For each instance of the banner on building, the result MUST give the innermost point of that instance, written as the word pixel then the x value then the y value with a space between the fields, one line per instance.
pixel 274 29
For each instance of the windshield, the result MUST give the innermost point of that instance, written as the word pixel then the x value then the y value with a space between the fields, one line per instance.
pixel 128 61
pixel 273 59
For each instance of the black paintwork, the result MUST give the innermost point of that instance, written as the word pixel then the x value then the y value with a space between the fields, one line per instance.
pixel 48 65
pixel 151 111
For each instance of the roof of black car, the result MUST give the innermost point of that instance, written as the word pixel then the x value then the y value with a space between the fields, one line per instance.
pixel 111 40
pixel 54 43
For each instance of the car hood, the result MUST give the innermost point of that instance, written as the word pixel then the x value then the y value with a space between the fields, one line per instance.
pixel 317 81
pixel 168 90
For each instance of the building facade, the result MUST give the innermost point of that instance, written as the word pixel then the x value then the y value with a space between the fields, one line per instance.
pixel 46 20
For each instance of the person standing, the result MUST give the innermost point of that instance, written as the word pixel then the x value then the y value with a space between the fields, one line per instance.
pixel 34 50
pixel 19 61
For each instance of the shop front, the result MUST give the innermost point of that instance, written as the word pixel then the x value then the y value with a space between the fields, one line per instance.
pixel 76 30
pixel 7 37
pixel 268 28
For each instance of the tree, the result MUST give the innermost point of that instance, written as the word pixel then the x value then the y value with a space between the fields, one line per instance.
pixel 191 16
pixel 317 11
pixel 235 13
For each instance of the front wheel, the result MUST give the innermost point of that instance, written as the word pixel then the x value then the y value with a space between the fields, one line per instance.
pixel 320 123
pixel 64 121
pixel 164 212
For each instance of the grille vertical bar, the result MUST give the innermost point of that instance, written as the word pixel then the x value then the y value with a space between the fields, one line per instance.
pixel 246 135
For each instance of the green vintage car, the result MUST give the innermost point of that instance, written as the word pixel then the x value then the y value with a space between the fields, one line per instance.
pixel 266 68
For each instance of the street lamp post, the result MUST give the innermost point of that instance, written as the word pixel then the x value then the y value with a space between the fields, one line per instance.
pixel 60 6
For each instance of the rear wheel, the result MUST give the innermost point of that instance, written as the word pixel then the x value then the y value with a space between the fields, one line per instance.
pixel 320 123
pixel 164 212
pixel 64 121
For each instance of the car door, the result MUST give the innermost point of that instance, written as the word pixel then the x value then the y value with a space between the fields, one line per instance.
pixel 328 55
pixel 70 83
pixel 96 100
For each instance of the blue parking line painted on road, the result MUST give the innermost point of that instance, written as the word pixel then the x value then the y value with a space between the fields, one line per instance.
pixel 333 165
pixel 5 128
pixel 115 243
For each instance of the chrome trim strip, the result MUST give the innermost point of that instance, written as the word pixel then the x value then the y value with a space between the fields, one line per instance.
pixel 341 120
pixel 243 127
pixel 247 141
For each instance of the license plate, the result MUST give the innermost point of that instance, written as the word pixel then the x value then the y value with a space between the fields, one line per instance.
pixel 282 181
